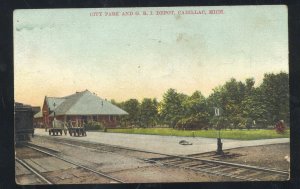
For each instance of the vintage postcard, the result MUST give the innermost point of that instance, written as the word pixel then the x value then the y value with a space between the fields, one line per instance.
pixel 151 95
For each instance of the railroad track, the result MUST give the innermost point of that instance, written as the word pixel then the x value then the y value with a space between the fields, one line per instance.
pixel 50 153
pixel 213 167
pixel 43 179
pixel 232 170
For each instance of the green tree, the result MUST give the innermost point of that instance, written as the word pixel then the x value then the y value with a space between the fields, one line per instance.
pixel 251 107
pixel 229 98
pixel 171 108
pixel 234 94
pixel 194 104
pixel 243 104
pixel 196 114
pixel 250 86
pixel 132 106
pixel 274 94
pixel 149 113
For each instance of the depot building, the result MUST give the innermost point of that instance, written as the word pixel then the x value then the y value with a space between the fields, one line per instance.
pixel 81 106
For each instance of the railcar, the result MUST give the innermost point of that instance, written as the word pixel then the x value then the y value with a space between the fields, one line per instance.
pixel 24 129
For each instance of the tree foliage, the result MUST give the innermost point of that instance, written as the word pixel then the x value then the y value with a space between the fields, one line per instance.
pixel 172 108
pixel 149 112
pixel 242 105
pixel 132 107
pixel 274 93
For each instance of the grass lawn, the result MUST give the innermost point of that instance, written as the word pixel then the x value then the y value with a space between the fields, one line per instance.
pixel 226 134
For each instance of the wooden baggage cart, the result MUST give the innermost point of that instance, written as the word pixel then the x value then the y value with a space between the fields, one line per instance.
pixel 58 127
pixel 76 128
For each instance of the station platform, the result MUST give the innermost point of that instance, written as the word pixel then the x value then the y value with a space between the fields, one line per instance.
pixel 165 144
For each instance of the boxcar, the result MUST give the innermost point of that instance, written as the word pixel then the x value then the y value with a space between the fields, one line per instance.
pixel 24 129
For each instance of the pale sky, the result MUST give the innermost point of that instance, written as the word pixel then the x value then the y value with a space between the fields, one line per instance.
pixel 60 51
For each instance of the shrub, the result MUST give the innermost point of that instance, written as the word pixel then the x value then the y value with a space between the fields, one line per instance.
pixel 280 127
pixel 241 126
pixel 93 125
pixel 198 121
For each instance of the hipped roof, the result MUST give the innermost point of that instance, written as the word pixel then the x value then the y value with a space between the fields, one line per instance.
pixel 82 103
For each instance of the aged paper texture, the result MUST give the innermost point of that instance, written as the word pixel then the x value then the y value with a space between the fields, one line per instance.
pixel 151 95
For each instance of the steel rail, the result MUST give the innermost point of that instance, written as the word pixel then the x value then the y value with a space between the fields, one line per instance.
pixel 237 165
pixel 214 172
pixel 110 145
pixel 76 164
pixel 211 169
pixel 33 170
pixel 186 157
pixel 249 167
